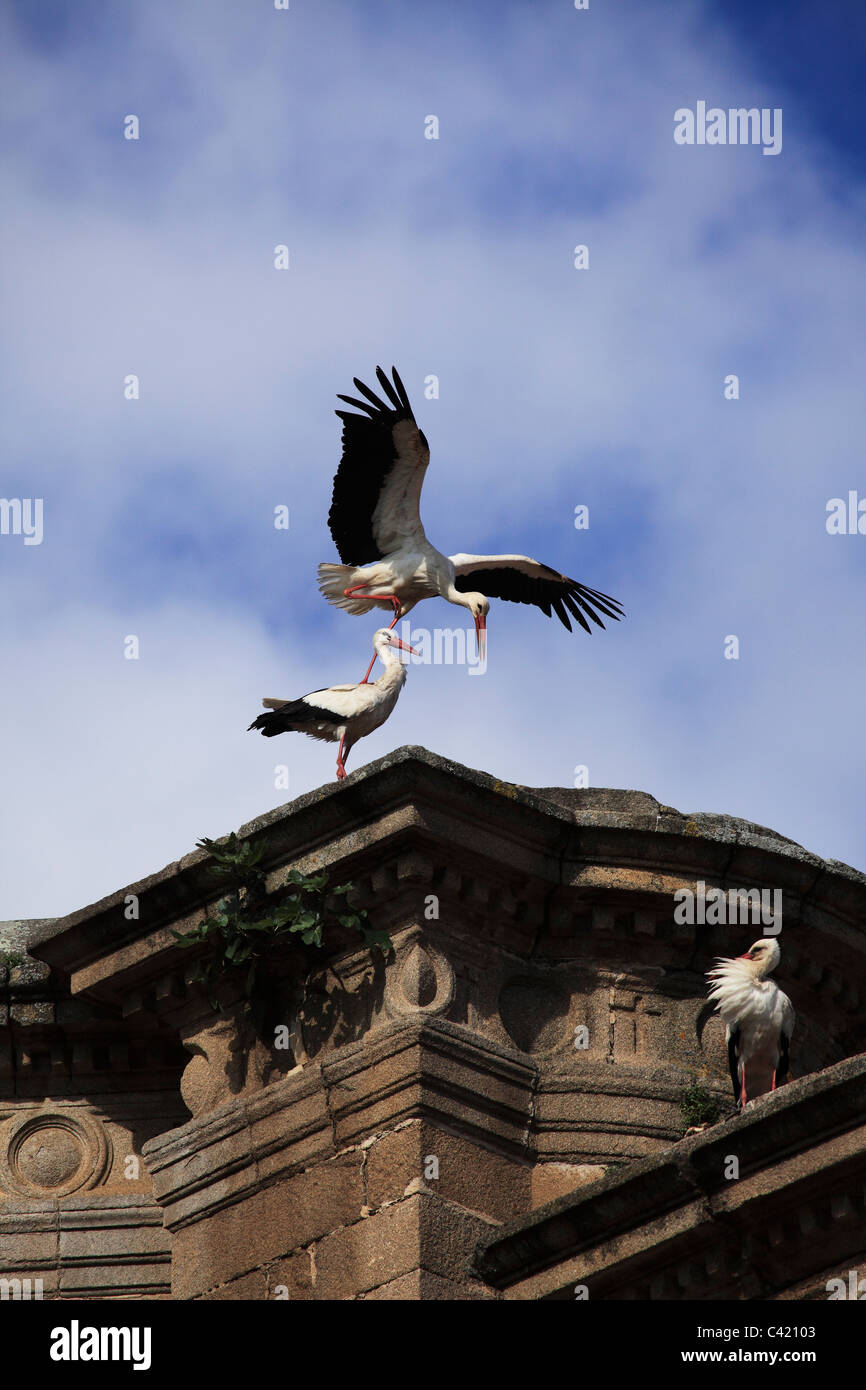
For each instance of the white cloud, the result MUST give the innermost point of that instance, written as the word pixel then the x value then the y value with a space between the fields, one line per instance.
pixel 557 387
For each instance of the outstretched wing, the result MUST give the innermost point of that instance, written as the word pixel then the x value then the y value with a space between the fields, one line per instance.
pixel 377 487
pixel 521 580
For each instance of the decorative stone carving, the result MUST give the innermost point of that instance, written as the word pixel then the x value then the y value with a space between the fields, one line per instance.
pixel 420 981
pixel 534 1013
pixel 228 1060
pixel 54 1153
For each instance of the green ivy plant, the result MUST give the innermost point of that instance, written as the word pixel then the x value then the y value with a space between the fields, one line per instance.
pixel 698 1107
pixel 9 959
pixel 248 923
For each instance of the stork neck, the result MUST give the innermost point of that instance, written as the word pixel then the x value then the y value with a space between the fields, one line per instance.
pixel 394 668
pixel 454 595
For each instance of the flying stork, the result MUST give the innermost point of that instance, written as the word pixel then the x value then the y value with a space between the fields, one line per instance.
pixel 344 712
pixel 386 557
pixel 758 1017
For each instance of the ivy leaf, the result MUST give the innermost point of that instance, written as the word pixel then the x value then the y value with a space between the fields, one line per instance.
pixel 375 936
pixel 187 939
pixel 233 928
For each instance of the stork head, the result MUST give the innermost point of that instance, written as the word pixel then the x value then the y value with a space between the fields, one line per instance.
pixel 764 956
pixel 386 638
pixel 479 607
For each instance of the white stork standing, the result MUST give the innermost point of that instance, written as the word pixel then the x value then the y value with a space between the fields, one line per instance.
pixel 387 559
pixel 758 1017
pixel 344 712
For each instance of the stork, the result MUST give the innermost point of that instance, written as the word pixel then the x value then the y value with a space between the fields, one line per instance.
pixel 386 557
pixel 758 1017
pixel 344 712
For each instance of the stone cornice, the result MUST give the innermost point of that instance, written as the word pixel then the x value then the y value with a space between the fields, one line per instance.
pixel 575 844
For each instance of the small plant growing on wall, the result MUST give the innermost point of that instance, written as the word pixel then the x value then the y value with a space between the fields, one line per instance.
pixel 248 924
pixel 697 1107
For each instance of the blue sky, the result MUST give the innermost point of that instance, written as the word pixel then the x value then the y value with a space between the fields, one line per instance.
pixel 557 387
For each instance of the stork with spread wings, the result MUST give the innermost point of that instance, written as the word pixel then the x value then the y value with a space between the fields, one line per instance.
pixel 387 560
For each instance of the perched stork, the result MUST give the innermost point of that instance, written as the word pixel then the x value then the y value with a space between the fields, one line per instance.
pixel 344 712
pixel 387 559
pixel 758 1017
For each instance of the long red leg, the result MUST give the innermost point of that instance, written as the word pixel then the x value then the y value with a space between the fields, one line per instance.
pixel 743 1089
pixel 341 762
pixel 350 593
pixel 773 1086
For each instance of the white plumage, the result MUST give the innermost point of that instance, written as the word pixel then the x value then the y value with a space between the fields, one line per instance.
pixel 388 562
pixel 344 712
pixel 758 1017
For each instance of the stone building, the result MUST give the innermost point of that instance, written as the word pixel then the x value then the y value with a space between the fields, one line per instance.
pixel 493 1112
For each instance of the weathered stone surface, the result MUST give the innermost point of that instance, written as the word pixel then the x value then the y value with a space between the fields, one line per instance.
pixel 424 1284
pixel 470 1176
pixel 294 1277
pixel 552 1180
pixel 397 1239
pixel 266 1224
pixel 249 1288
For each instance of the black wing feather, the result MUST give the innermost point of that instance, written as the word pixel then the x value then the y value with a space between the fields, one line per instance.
pixel 733 1045
pixel 388 389
pixel 371 395
pixel 368 457
pixel 784 1060
pixel 359 405
pixel 293 715
pixel 575 611
pixel 557 593
pixel 559 610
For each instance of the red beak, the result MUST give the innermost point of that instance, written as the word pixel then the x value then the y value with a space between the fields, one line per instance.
pixel 404 646
pixel 481 635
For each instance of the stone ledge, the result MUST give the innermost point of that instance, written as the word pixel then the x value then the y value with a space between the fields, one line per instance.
pixel 675 1192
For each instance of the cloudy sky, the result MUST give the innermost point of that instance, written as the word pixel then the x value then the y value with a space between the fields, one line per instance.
pixel 558 387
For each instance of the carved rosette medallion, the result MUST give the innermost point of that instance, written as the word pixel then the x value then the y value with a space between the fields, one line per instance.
pixel 53 1153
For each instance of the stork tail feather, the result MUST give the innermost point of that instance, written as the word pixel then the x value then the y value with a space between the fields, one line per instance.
pixel 334 580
